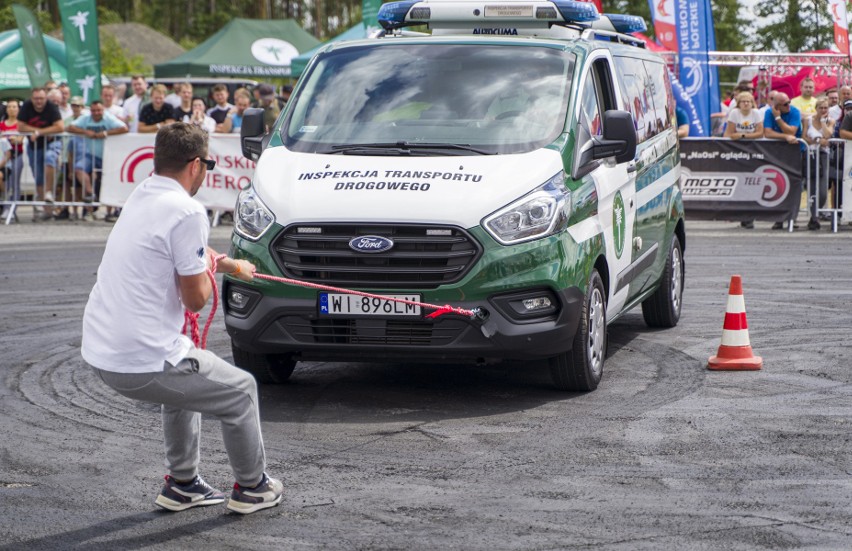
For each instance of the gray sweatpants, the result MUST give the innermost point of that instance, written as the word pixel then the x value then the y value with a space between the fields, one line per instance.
pixel 201 383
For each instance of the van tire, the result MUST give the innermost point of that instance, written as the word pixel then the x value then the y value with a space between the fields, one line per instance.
pixel 662 309
pixel 581 368
pixel 266 368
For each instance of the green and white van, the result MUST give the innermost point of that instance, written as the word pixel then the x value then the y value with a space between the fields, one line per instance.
pixel 520 161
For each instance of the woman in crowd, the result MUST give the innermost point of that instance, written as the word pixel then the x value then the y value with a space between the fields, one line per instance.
pixel 200 116
pixel 12 162
pixel 817 130
pixel 744 121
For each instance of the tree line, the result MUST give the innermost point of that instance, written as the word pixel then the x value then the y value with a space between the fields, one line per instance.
pixel 773 25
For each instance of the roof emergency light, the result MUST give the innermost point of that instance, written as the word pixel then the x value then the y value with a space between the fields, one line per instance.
pixel 627 24
pixel 522 13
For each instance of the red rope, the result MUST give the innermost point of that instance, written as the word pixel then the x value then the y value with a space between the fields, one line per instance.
pixel 191 318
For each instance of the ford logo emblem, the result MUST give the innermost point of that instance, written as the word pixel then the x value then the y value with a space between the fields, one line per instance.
pixel 370 244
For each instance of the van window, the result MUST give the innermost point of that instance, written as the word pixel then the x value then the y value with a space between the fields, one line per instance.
pixel 661 95
pixel 497 98
pixel 590 113
pixel 636 97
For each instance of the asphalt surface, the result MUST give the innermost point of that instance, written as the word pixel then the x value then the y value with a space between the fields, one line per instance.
pixel 664 455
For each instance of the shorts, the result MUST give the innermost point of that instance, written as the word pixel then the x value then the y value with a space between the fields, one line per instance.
pixel 87 163
pixel 47 155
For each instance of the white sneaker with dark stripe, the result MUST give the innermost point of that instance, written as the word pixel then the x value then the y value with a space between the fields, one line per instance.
pixel 178 497
pixel 248 500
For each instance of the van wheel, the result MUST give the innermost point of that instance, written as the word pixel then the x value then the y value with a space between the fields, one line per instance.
pixel 581 368
pixel 266 368
pixel 662 309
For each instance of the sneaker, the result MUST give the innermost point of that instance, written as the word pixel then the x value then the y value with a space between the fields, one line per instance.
pixel 246 500
pixel 747 225
pixel 63 215
pixel 813 225
pixel 178 497
pixel 88 198
pixel 778 226
pixel 48 197
pixel 46 215
pixel 110 218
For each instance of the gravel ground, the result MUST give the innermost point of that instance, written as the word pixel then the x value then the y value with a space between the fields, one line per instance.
pixel 664 455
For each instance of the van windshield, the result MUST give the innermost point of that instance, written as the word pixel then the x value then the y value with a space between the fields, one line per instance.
pixel 435 99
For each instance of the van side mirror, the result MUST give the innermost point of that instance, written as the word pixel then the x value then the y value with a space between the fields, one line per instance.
pixel 619 137
pixel 251 133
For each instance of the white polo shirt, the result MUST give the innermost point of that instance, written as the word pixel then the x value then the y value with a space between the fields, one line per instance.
pixel 133 319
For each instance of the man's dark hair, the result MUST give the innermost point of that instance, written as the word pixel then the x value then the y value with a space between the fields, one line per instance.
pixel 177 144
pixel 39 89
pixel 219 88
pixel 96 102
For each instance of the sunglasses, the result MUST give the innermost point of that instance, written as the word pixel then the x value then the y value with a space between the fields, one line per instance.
pixel 211 164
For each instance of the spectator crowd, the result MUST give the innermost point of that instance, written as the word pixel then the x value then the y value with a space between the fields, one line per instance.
pixel 807 119
pixel 63 137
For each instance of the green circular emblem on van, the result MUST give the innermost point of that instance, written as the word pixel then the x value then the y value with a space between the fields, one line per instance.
pixel 618 220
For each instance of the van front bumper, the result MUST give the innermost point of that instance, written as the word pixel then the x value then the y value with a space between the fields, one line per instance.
pixel 283 325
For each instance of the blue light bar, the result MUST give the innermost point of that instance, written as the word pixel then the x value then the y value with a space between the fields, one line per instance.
pixel 627 23
pixel 579 12
pixel 392 15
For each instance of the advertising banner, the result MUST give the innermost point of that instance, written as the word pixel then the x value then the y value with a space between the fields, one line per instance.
pixel 32 44
pixel 82 47
pixel 740 180
pixel 129 159
pixel 696 36
pixel 837 9
pixel 663 19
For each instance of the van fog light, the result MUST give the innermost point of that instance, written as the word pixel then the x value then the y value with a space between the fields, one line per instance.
pixel 238 300
pixel 537 303
pixel 529 304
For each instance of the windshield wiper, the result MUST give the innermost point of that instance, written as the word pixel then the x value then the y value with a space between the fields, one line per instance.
pixel 404 147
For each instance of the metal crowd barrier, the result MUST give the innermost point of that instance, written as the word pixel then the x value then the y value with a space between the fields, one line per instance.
pixel 49 163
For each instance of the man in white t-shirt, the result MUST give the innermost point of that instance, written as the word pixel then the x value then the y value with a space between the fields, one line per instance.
pixel 836 111
pixel 155 264
pixel 133 105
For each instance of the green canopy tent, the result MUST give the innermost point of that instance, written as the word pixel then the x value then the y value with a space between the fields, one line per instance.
pixel 248 48
pixel 14 80
pixel 299 63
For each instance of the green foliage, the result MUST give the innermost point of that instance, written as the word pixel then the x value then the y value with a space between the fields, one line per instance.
pixel 7 18
pixel 804 25
pixel 107 16
pixel 116 61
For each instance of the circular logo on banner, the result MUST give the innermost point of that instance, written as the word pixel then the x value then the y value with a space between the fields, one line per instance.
pixel 138 165
pixel 618 223
pixel 775 186
pixel 691 77
pixel 273 51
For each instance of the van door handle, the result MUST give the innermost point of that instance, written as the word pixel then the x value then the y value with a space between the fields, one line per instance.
pixel 631 167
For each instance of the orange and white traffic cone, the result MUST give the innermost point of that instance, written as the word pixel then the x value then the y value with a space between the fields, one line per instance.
pixel 735 352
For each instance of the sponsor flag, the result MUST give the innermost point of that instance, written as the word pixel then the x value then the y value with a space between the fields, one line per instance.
pixel 696 37
pixel 663 19
pixel 82 47
pixel 837 8
pixel 32 43
pixel 370 14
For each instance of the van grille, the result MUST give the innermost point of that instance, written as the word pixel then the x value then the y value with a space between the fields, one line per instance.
pixel 374 332
pixel 423 256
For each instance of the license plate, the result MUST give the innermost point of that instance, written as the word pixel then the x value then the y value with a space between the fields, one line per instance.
pixel 341 304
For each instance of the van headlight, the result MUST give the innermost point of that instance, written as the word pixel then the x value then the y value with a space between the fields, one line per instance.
pixel 542 212
pixel 252 216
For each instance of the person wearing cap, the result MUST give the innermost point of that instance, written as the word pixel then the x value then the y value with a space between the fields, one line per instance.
pixel 70 146
pixel 269 104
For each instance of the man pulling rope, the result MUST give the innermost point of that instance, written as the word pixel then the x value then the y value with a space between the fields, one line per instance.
pixel 155 263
